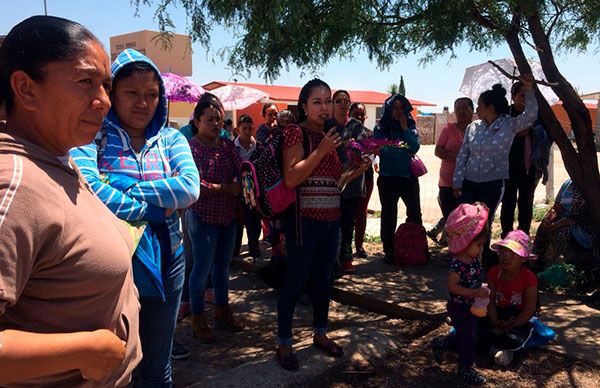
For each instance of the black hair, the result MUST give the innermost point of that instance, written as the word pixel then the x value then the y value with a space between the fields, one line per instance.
pixel 353 126
pixel 305 93
pixel 516 88
pixel 340 91
pixel 199 109
pixel 267 106
pixel 355 106
pixel 35 42
pixel 465 99
pixel 245 119
pixel 209 97
pixel 138 67
pixel 286 112
pixel 496 97
pixel 228 122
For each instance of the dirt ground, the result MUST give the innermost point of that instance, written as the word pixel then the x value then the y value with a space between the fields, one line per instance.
pixel 414 367
pixel 410 366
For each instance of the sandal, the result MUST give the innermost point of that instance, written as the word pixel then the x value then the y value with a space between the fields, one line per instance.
pixel 330 347
pixel 289 362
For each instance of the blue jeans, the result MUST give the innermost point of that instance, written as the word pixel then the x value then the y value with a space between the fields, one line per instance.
pixel 313 258
pixel 212 247
pixel 157 327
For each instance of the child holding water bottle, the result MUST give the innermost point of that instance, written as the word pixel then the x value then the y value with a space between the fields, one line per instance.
pixel 467 232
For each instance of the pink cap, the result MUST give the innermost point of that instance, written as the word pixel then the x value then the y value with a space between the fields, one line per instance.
pixel 464 224
pixel 518 242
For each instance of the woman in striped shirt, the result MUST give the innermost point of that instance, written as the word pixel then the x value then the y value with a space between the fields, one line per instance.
pixel 143 171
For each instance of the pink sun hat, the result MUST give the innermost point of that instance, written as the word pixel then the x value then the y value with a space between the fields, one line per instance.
pixel 518 242
pixel 464 224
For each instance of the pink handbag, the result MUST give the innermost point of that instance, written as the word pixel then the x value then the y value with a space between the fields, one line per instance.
pixel 417 167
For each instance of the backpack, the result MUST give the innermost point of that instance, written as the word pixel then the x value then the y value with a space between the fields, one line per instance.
pixel 410 245
pixel 263 188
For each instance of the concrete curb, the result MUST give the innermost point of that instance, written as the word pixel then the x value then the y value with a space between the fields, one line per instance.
pixel 370 303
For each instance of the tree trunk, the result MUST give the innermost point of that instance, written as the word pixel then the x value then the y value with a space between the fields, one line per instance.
pixel 581 164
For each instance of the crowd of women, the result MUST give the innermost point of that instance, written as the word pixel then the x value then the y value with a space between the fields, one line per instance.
pixel 73 307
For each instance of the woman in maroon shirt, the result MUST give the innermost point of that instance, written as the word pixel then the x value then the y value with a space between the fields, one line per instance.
pixel 312 232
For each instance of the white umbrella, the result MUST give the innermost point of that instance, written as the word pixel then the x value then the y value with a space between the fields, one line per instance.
pixel 482 77
pixel 235 97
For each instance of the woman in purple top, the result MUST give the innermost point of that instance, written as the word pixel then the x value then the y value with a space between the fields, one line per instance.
pixel 211 221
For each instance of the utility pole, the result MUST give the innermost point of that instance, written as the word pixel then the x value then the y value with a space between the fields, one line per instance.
pixel 45 8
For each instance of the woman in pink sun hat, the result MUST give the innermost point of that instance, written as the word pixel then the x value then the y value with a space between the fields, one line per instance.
pixel 467 233
pixel 513 295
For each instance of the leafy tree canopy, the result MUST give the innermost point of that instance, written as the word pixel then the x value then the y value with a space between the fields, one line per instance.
pixel 274 34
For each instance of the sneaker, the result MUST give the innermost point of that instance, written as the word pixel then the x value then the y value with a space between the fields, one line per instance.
pixel 348 267
pixel 503 357
pixel 471 376
pixel 437 347
pixel 362 253
pixel 432 234
pixel 185 310
pixel 179 352
pixel 209 295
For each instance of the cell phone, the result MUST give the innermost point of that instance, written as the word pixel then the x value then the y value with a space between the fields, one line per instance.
pixel 331 122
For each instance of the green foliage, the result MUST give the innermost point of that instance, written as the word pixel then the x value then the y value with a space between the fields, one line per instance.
pixel 372 239
pixel 401 87
pixel 561 277
pixel 540 212
pixel 276 33
pixel 397 88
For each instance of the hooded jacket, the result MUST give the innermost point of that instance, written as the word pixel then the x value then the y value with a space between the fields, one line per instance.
pixel 395 161
pixel 142 186
pixel 65 259
pixel 164 171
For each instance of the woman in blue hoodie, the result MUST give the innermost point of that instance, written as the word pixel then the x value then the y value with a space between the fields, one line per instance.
pixel 143 171
pixel 395 177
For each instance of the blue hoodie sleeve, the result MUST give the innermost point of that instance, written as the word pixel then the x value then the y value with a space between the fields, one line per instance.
pixel 412 139
pixel 122 205
pixel 178 191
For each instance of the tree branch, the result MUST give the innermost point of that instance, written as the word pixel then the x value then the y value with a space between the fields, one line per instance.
pixel 510 76
pixel 482 20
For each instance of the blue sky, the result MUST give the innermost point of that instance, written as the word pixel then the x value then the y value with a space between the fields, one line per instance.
pixel 436 82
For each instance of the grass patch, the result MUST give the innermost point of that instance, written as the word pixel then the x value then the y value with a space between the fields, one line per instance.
pixel 540 212
pixel 372 239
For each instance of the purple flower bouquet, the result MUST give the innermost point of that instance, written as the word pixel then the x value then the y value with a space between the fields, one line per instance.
pixel 358 150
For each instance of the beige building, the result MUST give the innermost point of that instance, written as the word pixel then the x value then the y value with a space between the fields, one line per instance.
pixel 173 55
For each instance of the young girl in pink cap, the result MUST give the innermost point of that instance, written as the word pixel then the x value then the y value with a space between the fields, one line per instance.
pixel 466 229
pixel 513 297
